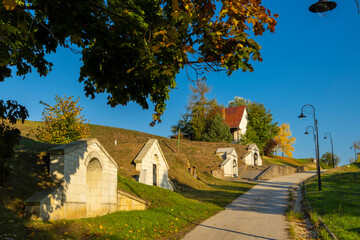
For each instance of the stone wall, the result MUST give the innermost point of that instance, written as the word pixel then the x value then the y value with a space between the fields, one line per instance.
pixel 276 171
pixel 129 202
pixel 218 173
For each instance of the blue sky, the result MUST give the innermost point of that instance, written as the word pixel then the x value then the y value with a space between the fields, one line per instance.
pixel 309 59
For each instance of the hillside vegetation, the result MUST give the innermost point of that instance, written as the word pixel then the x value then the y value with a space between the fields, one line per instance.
pixel 292 162
pixel 129 143
pixel 171 214
pixel 338 203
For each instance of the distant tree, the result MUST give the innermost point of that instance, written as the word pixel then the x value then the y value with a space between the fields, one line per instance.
pixel 10 113
pixel 183 125
pixel 201 112
pixel 269 147
pixel 326 160
pixel 356 146
pixel 285 141
pixel 218 131
pixel 260 128
pixel 202 109
pixel 62 122
pixel 198 107
pixel 239 101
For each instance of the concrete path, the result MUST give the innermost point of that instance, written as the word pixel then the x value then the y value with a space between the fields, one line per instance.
pixel 257 214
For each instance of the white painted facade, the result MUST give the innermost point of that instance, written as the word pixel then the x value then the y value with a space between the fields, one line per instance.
pixel 230 163
pixel 243 123
pixel 87 183
pixel 152 165
pixel 252 157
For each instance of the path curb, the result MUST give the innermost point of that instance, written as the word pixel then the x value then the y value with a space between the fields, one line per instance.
pixel 309 209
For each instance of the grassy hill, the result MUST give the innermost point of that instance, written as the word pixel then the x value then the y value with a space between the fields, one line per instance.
pixel 129 143
pixel 171 214
pixel 292 162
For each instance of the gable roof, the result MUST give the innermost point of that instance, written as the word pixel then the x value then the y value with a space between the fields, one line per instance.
pixel 65 148
pixel 226 150
pixel 141 155
pixel 233 115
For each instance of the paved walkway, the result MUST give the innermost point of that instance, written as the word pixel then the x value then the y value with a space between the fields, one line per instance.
pixel 257 214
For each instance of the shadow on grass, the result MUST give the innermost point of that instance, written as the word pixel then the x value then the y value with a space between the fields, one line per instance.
pixel 356 230
pixel 29 174
pixel 31 145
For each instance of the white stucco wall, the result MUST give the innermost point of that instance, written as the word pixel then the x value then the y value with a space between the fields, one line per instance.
pixel 82 192
pixel 228 168
pixel 153 155
pixel 249 159
pixel 228 155
pixel 244 122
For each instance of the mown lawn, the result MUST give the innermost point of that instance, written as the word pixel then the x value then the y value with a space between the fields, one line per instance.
pixel 338 203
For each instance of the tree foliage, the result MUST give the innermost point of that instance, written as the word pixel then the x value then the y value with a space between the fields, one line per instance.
pixel 260 128
pixel 269 147
pixel 132 50
pixel 62 122
pixel 218 131
pixel 285 141
pixel 10 113
pixel 239 101
pixel 356 146
pixel 183 125
pixel 202 110
pixel 326 160
pixel 201 118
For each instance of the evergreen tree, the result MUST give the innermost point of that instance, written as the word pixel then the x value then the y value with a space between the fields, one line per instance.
pixel 218 131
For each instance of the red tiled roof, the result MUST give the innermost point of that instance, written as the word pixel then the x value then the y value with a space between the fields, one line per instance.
pixel 233 115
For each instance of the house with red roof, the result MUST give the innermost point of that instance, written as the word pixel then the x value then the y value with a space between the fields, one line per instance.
pixel 237 119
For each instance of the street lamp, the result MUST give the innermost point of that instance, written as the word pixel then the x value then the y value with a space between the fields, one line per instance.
pixel 322 6
pixel 332 147
pixel 316 132
pixel 354 152
pixel 313 131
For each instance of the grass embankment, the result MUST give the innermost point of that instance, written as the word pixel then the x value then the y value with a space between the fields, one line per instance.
pixel 292 162
pixel 170 215
pixel 338 203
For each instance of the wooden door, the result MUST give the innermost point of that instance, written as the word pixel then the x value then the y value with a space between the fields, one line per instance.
pixel 154 175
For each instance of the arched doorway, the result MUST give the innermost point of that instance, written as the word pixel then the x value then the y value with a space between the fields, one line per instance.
pixel 93 187
pixel 235 168
pixel 256 157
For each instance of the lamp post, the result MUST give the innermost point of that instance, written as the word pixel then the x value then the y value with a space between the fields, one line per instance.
pixel 322 6
pixel 313 131
pixel 309 106
pixel 354 152
pixel 332 147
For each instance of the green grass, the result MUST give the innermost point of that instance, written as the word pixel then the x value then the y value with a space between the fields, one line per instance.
pixel 292 162
pixel 291 230
pixel 170 216
pixel 338 203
